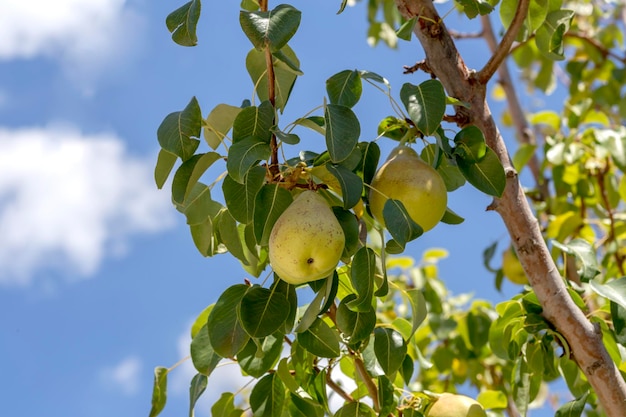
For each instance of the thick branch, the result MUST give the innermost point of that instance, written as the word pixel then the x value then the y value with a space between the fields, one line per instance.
pixel 502 51
pixel 584 339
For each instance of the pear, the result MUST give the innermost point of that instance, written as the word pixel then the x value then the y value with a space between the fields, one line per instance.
pixel 512 268
pixel 306 241
pixel 454 405
pixel 420 188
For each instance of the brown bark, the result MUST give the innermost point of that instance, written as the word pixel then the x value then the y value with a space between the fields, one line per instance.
pixel 584 339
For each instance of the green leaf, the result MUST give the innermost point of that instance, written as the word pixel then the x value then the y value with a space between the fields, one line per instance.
pixel 196 389
pixel 450 173
pixel 342 131
pixel 573 408
pixel 159 391
pixel 304 407
pixel 245 154
pixel 218 123
pixel 370 155
pixel 425 103
pixel 614 290
pixel 585 255
pixel 259 356
pixel 350 226
pixel 362 272
pixel 386 397
pixel 239 198
pixel 289 292
pixel 229 236
pixel 270 202
pixel 400 225
pixel 419 312
pixel 320 340
pixel 315 306
pixel 200 321
pixel 225 406
pixel 549 37
pixel 199 206
pixel 492 399
pixel 262 311
pixel 487 175
pixel 351 184
pixel 268 397
pixel 177 129
pixel 284 372
pixel 618 316
pixel 288 138
pixel 406 29
pixel 203 356
pixel 225 331
pixel 473 8
pixel 254 122
pixel 523 154
pixel 165 164
pixel 390 349
pixel 356 326
pixel 189 173
pixel 203 237
pixel 355 409
pixel 284 75
pixel 450 217
pixel 182 23
pixel 393 128
pixel 271 29
pixel 344 88
pixel 470 144
pixel 615 142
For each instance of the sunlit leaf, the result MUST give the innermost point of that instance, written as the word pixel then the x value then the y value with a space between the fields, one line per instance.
pixel 406 29
pixel 473 8
pixel 355 409
pixel 159 391
pixel 188 174
pixel 342 131
pixel 224 406
pixel 614 290
pixel 203 356
pixel 229 236
pixel 320 340
pixel 271 29
pixel 585 254
pixel 487 175
pixel 344 88
pixel 284 75
pixel 268 396
pixel 182 23
pixel 425 103
pixel 470 144
pixel 549 37
pixel 304 407
pixel 196 389
pixel 492 399
pixel 165 164
pixel 218 123
pixel 176 132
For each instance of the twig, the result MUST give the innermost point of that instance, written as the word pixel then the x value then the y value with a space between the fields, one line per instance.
pixel 333 385
pixel 273 167
pixel 503 49
pixel 367 380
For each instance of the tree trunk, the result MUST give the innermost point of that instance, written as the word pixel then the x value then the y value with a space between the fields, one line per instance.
pixel 584 339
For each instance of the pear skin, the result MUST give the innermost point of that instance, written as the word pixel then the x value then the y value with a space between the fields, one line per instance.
pixel 306 241
pixel 454 405
pixel 420 188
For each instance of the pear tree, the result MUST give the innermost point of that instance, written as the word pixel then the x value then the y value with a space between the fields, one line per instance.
pixel 321 233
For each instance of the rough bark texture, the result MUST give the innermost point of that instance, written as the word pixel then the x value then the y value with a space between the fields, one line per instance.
pixel 585 340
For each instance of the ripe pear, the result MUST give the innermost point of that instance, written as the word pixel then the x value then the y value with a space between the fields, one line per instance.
pixel 420 188
pixel 306 241
pixel 512 268
pixel 454 405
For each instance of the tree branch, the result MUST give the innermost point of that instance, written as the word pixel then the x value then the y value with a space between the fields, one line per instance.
pixel 584 339
pixel 271 87
pixel 502 51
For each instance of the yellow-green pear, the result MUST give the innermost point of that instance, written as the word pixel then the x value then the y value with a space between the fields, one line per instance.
pixel 420 188
pixel 454 405
pixel 512 268
pixel 306 241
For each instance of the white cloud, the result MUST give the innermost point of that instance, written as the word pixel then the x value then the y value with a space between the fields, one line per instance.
pixel 68 200
pixel 125 376
pixel 84 34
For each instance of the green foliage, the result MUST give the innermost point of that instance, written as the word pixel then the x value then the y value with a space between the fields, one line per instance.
pixel 388 322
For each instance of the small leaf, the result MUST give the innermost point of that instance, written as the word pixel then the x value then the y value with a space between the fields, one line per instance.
pixel 344 88
pixel 487 175
pixel 350 226
pixel 320 340
pixel 356 326
pixel 196 389
pixel 225 406
pixel 226 334
pixel 259 356
pixel 165 164
pixel 268 396
pixel 573 408
pixel 342 131
pixel 406 29
pixel 182 23
pixel 355 409
pixel 425 103
pixel 492 399
pixel 618 316
pixel 244 155
pixel 177 129
pixel 362 272
pixel 271 29
pixel 549 37
pixel 470 144
pixel 450 217
pixel 254 122
pixel 390 349
pixel 239 198
pixel 370 155
pixel 262 311
pixel 393 128
pixel 218 123
pixel 473 8
pixel 189 173
pixel 585 254
pixel 400 225
pixel 284 74
pixel 269 204
pixel 203 356
pixel 199 206
pixel 418 308
pixel 350 183
pixel 304 407
pixel 159 391
pixel 288 138
pixel 614 290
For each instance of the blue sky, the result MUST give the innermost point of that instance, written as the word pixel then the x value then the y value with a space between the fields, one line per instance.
pixel 99 278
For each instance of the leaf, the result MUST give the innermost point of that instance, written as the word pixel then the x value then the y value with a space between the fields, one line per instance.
pixel 425 103
pixel 362 272
pixel 239 198
pixel 400 225
pixel 406 29
pixel 523 154
pixel 470 144
pixel 218 123
pixel 196 389
pixel 573 408
pixel 304 407
pixel 450 217
pixel 229 236
pixel 203 356
pixel 390 349
pixel 268 396
pixel 177 129
pixel 199 206
pixel 225 406
pixel 618 316
pixel 614 290
pixel 585 254
pixel 342 131
pixel 356 326
pixel 492 399
pixel 350 183
pixel 225 331
pixel 487 175
pixel 203 237
pixel 615 142
pixel 200 321
pixel 370 155
pixel 245 154
pixel 289 138
pixel 165 164
pixel 284 75
pixel 350 226
pixel 159 391
pixel 182 23
pixel 355 409
pixel 271 29
pixel 386 396
pixel 284 373
pixel 189 173
pixel 269 204
pixel 473 8
pixel 259 356
pixel 315 306
pixel 344 88
pixel 254 122
pixel 549 37
pixel 418 308
pixel 262 311
pixel 320 340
